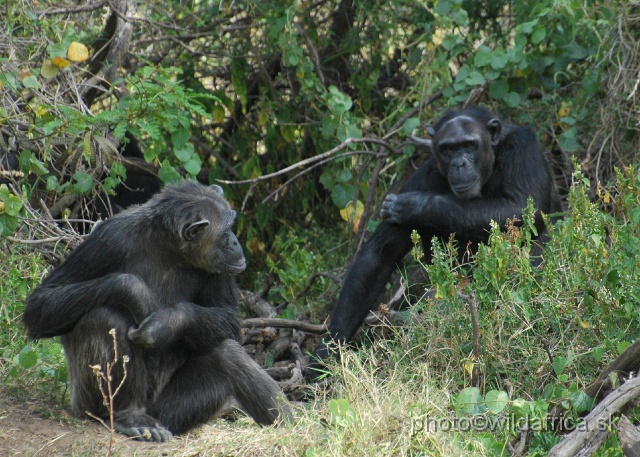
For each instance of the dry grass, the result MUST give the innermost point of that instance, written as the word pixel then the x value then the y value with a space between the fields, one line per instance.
pixel 392 394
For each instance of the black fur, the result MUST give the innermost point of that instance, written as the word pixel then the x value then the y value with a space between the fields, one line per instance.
pixel 161 274
pixel 481 170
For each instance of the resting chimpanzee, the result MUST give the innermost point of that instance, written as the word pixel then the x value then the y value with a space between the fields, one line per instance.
pixel 161 274
pixel 480 170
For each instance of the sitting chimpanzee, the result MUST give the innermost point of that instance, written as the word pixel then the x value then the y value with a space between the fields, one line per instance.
pixel 480 170
pixel 161 275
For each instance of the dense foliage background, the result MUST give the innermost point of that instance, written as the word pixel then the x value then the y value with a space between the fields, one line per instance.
pixel 306 112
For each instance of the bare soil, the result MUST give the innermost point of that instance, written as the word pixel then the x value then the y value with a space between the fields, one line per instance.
pixel 31 429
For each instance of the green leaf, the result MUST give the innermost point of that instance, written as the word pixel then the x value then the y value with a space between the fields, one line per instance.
pixel 498 89
pixel 339 102
pixel 185 153
pixel 527 27
pixel 341 194
pixel 622 346
pixel 180 137
pixel 499 59
pixel 482 57
pixel 450 41
pixel 538 35
pixel 27 358
pixel 580 401
pixel 461 17
pixel 31 82
pixel 520 407
pixel 569 140
pixel 559 364
pixel 83 182
pixel 410 125
pixel 512 99
pixel 167 173
pixel 12 205
pixel 496 400
pixel 468 401
pixel 193 165
pixel 339 407
pixel 443 7
pixel 151 128
pixel 52 183
pixel 475 78
pixel 597 353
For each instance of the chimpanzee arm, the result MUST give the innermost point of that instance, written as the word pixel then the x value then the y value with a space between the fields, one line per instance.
pixel 197 326
pixel 450 214
pixel 365 280
pixel 54 309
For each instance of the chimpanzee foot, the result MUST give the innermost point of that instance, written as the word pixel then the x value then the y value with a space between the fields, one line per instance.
pixel 145 433
pixel 140 426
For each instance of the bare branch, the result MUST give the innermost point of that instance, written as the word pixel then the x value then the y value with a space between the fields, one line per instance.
pixel 77 9
pixel 317 158
pixel 284 323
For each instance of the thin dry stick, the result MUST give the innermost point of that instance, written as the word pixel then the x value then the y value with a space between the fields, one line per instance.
pixel 109 394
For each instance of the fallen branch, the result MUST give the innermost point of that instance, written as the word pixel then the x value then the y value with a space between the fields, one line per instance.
pixel 593 430
pixel 385 317
pixel 283 323
pixel 257 304
pixel 629 437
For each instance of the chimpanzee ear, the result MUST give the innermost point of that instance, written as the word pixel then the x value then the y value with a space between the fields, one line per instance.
pixel 217 188
pixel 495 129
pixel 431 132
pixel 194 230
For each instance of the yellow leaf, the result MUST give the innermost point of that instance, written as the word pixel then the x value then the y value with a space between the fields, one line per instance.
pixel 39 110
pixel 1 207
pixel 60 62
pixel 77 52
pixel 564 110
pixel 351 215
pixel 468 366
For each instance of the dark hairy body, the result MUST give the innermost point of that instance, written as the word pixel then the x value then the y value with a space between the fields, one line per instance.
pixel 162 275
pixel 480 170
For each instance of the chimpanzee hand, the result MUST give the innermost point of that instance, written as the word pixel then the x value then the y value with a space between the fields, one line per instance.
pixel 403 208
pixel 160 328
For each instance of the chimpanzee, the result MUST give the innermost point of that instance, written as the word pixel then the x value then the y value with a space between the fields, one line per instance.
pixel 161 275
pixel 481 170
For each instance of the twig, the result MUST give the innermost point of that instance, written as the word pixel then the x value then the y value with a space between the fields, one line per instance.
pixel 310 160
pixel 53 239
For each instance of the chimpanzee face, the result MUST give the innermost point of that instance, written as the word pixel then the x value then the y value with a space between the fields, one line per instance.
pixel 208 241
pixel 464 150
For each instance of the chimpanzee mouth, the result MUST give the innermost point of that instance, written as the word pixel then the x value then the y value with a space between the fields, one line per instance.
pixel 466 192
pixel 237 267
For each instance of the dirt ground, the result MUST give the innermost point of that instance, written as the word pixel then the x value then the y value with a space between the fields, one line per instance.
pixel 26 430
